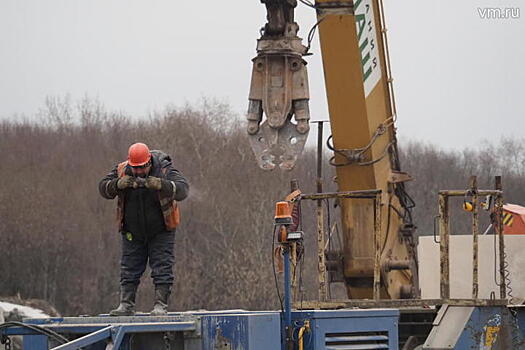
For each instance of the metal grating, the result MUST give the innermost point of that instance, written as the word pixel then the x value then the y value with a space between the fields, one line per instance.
pixel 356 341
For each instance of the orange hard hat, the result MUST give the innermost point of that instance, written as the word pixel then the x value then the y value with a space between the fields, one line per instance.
pixel 138 154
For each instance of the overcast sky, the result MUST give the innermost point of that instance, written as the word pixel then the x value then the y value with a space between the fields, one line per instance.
pixel 459 78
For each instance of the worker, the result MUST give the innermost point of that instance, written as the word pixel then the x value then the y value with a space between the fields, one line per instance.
pixel 148 189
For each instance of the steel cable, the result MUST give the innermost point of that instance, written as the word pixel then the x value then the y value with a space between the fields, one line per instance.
pixel 41 330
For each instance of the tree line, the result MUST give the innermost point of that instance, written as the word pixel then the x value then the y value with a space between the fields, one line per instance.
pixel 59 238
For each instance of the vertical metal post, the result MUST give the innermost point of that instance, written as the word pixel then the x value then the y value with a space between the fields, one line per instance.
pixel 320 218
pixel 293 260
pixel 499 230
pixel 294 185
pixel 320 157
pixel 287 287
pixel 320 252
pixel 475 233
pixel 288 329
pixel 377 247
pixel 444 246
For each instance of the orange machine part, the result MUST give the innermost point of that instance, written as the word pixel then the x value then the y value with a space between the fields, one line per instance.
pixel 283 210
pixel 513 219
pixel 283 234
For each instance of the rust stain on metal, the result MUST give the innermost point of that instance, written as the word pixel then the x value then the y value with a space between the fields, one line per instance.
pixel 378 240
pixel 475 233
pixel 367 194
pixel 321 264
pixel 501 238
pixel 444 228
pixel 461 193
pixel 396 303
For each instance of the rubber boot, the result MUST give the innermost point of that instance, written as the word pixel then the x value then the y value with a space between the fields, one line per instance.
pixel 126 307
pixel 162 294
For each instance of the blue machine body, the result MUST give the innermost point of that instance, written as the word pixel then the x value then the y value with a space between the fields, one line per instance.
pixel 454 327
pixel 255 331
pixel 235 330
pixel 349 329
pixel 483 328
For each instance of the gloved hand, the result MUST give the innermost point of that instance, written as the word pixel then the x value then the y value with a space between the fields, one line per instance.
pixel 139 182
pixel 153 183
pixel 125 182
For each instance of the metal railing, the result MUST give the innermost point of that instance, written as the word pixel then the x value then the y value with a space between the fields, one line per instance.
pixel 375 196
pixel 444 233
pixel 475 196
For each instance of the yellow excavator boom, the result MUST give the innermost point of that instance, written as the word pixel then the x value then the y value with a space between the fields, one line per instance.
pixel 362 117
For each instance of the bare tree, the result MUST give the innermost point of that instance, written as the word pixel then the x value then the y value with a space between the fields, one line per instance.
pixel 59 236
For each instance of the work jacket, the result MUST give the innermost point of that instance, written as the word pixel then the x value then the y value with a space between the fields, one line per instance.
pixel 174 188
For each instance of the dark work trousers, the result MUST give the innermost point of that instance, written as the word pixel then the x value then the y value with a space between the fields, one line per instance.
pixel 136 253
